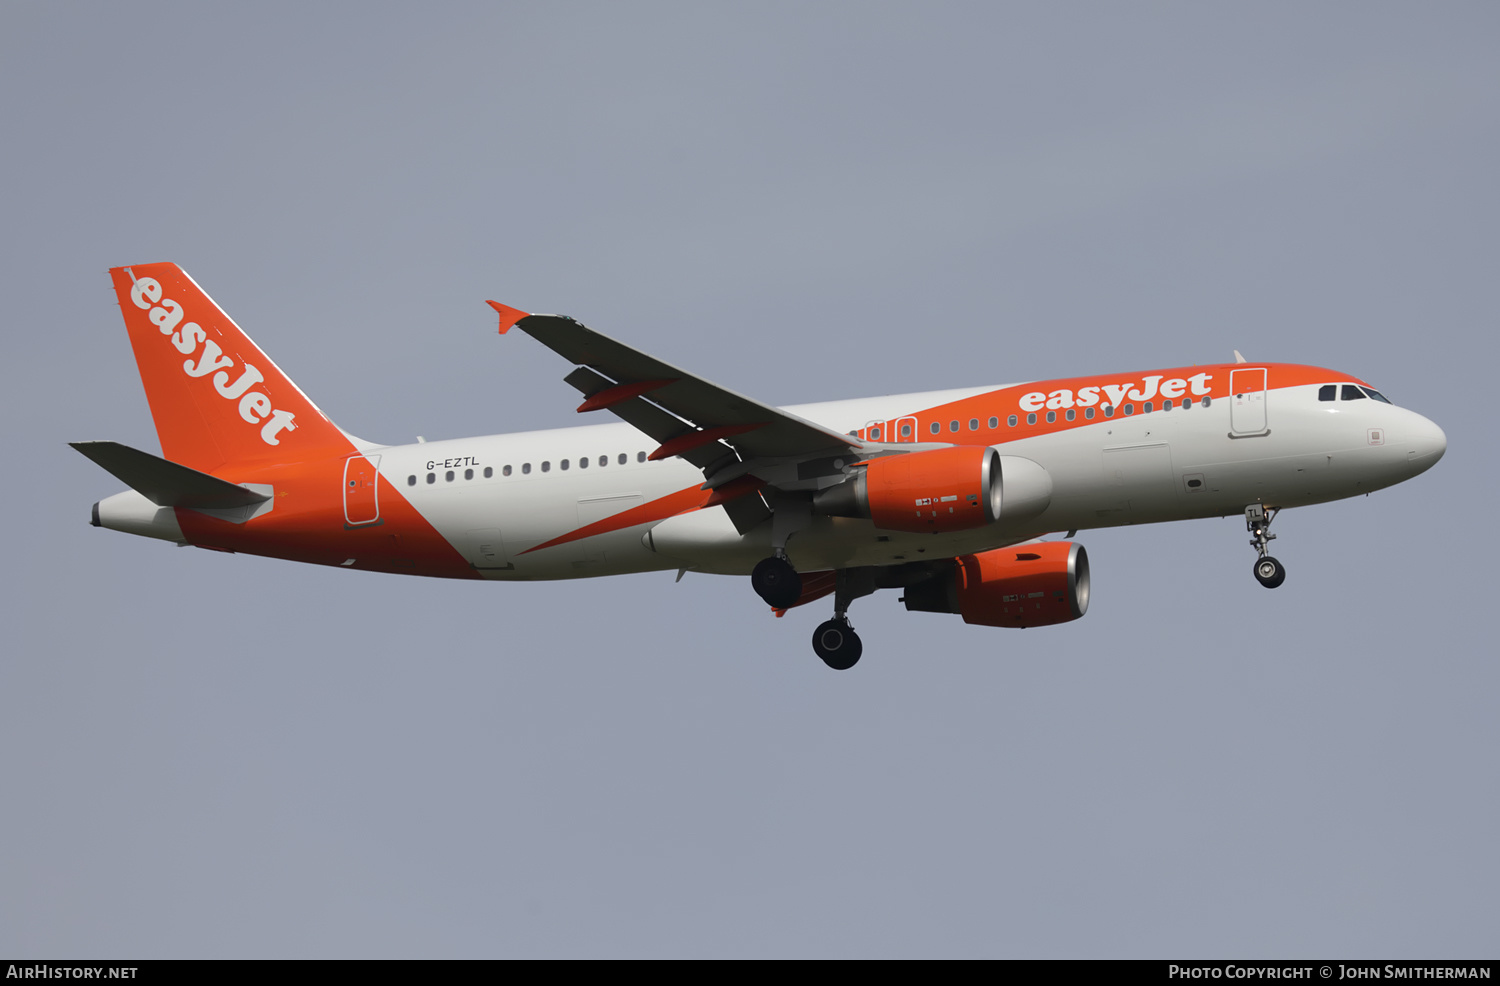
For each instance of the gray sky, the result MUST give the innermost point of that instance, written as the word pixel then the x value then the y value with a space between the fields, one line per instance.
pixel 801 202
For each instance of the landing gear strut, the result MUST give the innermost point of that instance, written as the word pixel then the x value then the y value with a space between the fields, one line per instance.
pixel 1268 571
pixel 835 640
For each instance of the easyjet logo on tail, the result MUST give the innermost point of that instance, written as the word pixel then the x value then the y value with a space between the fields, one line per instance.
pixel 254 406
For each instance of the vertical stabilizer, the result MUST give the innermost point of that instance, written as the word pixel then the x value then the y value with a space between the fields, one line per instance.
pixel 215 396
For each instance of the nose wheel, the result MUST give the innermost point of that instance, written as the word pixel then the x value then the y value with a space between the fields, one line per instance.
pixel 1268 571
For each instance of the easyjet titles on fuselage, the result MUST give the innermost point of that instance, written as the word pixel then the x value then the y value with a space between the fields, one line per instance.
pixel 1116 393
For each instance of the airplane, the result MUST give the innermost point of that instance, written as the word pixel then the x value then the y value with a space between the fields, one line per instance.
pixel 947 495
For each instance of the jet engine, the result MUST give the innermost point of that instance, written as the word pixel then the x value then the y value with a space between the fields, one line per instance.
pixel 949 489
pixel 1027 585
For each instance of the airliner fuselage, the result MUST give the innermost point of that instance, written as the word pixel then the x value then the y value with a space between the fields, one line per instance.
pixel 927 490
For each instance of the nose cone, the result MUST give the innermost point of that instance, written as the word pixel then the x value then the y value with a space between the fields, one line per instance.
pixel 1425 443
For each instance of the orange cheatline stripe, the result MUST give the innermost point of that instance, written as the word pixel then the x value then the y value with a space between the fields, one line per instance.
pixel 659 509
pixel 733 490
pixel 692 498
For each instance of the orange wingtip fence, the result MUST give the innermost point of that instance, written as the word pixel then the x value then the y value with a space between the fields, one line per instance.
pixel 508 316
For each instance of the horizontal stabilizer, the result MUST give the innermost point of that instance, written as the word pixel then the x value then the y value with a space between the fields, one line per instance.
pixel 164 483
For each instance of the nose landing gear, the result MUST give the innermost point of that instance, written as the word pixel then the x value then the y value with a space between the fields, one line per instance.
pixel 1268 571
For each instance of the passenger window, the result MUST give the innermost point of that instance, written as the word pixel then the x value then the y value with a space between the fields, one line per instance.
pixel 973 424
pixel 1011 420
pixel 1147 407
pixel 1353 393
pixel 411 480
pixel 1088 412
pixel 489 471
pixel 468 474
pixel 1031 418
pixel 1207 401
pixel 640 457
pixel 583 462
pixel 906 431
pixel 1187 402
pixel 431 478
pixel 604 460
pixel 623 458
pixel 1051 416
pixel 953 426
pixel 546 465
pixel 1166 405
pixel 448 477
pixel 936 427
pixel 1109 410
pixel 995 423
pixel 1327 392
pixel 563 464
pixel 1071 414
pixel 874 434
pixel 525 469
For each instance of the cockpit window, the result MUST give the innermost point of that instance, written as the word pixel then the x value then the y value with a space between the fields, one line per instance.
pixel 1352 393
pixel 1377 395
pixel 1328 392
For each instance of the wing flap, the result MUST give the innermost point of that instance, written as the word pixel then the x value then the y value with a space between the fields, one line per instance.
pixel 648 418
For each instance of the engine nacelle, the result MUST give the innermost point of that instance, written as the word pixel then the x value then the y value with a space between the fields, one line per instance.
pixel 1027 585
pixel 950 489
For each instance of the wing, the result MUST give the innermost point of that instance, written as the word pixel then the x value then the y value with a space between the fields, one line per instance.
pixel 727 435
pixel 686 414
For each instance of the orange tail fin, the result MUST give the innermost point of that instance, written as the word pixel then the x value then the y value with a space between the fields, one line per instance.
pixel 215 397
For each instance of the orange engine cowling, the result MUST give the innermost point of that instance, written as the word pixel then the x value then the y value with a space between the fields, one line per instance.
pixel 950 489
pixel 1027 585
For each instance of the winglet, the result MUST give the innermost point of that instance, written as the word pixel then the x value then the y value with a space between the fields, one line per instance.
pixel 1237 357
pixel 508 316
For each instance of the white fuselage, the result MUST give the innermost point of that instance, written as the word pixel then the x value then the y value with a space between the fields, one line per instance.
pixel 1166 465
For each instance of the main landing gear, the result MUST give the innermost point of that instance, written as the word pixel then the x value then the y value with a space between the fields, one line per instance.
pixel 1268 571
pixel 835 640
pixel 837 644
pixel 777 582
